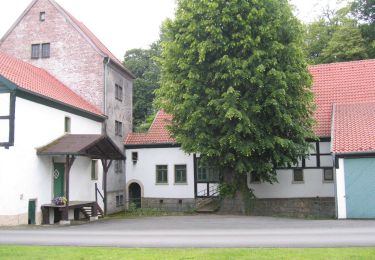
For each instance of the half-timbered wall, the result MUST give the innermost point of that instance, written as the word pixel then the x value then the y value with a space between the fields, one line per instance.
pixel 26 176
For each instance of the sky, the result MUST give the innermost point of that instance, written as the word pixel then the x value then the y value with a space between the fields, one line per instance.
pixel 127 24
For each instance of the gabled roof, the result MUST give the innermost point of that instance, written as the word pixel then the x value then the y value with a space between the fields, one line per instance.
pixel 39 82
pixel 336 83
pixel 340 83
pixel 157 134
pixel 82 29
pixel 353 128
pixel 93 146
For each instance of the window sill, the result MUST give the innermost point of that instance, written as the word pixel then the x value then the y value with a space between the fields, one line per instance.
pixel 162 183
pixel 328 181
pixel 298 182
pixel 180 183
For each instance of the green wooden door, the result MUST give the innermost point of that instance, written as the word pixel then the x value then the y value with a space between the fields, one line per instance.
pixel 31 217
pixel 58 180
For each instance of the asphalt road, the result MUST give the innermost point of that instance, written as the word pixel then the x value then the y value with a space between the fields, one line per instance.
pixel 200 231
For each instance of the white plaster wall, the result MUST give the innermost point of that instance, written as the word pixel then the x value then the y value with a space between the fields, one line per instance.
pixel 340 190
pixel 24 175
pixel 312 186
pixel 144 171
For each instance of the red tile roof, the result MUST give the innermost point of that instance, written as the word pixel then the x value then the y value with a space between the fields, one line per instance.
pixel 353 128
pixel 340 83
pixel 336 83
pixel 157 134
pixel 39 81
pixel 98 44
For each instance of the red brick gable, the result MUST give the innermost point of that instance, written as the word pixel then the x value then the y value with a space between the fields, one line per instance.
pixel 39 81
pixel 91 36
pixel 340 83
pixel 353 128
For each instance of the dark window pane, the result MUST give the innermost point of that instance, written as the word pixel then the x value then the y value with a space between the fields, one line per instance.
pixel 161 174
pixel 42 16
pixel 67 125
pixel 298 175
pixel 45 50
pixel 180 173
pixel 35 49
pixel 328 174
pixel 118 92
pixel 118 128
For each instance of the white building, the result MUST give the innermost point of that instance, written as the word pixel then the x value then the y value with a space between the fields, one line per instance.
pixel 317 186
pixel 38 110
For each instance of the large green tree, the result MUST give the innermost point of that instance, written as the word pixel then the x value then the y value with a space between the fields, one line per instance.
pixel 142 62
pixel 364 11
pixel 318 35
pixel 343 35
pixel 235 78
pixel 346 44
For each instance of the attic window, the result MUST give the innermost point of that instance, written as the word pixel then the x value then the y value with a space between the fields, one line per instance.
pixel 134 157
pixel 42 16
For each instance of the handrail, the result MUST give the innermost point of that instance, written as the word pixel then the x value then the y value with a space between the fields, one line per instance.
pixel 96 193
pixel 214 192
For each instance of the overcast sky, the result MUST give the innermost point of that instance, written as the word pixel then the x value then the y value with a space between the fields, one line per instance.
pixel 126 24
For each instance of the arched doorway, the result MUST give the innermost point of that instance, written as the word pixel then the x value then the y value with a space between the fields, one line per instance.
pixel 135 194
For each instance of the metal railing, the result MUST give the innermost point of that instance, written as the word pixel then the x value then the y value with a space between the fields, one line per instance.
pixel 97 191
pixel 212 191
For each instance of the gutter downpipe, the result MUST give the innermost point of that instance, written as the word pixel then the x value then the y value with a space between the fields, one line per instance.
pixel 105 84
pixel 105 131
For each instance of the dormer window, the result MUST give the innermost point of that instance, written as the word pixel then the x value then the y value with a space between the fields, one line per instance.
pixel 42 16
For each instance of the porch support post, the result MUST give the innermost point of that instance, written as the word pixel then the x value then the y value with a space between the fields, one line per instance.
pixel 106 164
pixel 68 165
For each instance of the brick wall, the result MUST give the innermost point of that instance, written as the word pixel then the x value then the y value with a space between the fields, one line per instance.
pixel 73 60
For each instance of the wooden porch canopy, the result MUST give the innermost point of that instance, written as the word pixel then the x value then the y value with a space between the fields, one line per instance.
pixel 99 147
pixel 93 146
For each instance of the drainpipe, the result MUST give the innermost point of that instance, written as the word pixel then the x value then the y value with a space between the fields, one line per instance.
pixel 104 131
pixel 105 92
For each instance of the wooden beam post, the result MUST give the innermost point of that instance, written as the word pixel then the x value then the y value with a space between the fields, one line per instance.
pixel 106 165
pixel 68 165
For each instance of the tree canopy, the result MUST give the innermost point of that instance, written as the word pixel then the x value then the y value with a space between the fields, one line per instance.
pixel 144 66
pixel 235 78
pixel 343 35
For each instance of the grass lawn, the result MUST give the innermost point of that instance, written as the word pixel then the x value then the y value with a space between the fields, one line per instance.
pixel 56 253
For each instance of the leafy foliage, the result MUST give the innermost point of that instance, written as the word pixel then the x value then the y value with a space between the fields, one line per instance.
pixel 343 35
pixel 346 44
pixel 235 78
pixel 142 62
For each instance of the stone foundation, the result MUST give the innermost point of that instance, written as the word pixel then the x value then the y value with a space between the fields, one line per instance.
pixel 111 202
pixel 20 219
pixel 285 207
pixel 168 204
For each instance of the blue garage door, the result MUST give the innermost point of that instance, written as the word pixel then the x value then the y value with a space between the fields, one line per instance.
pixel 360 187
